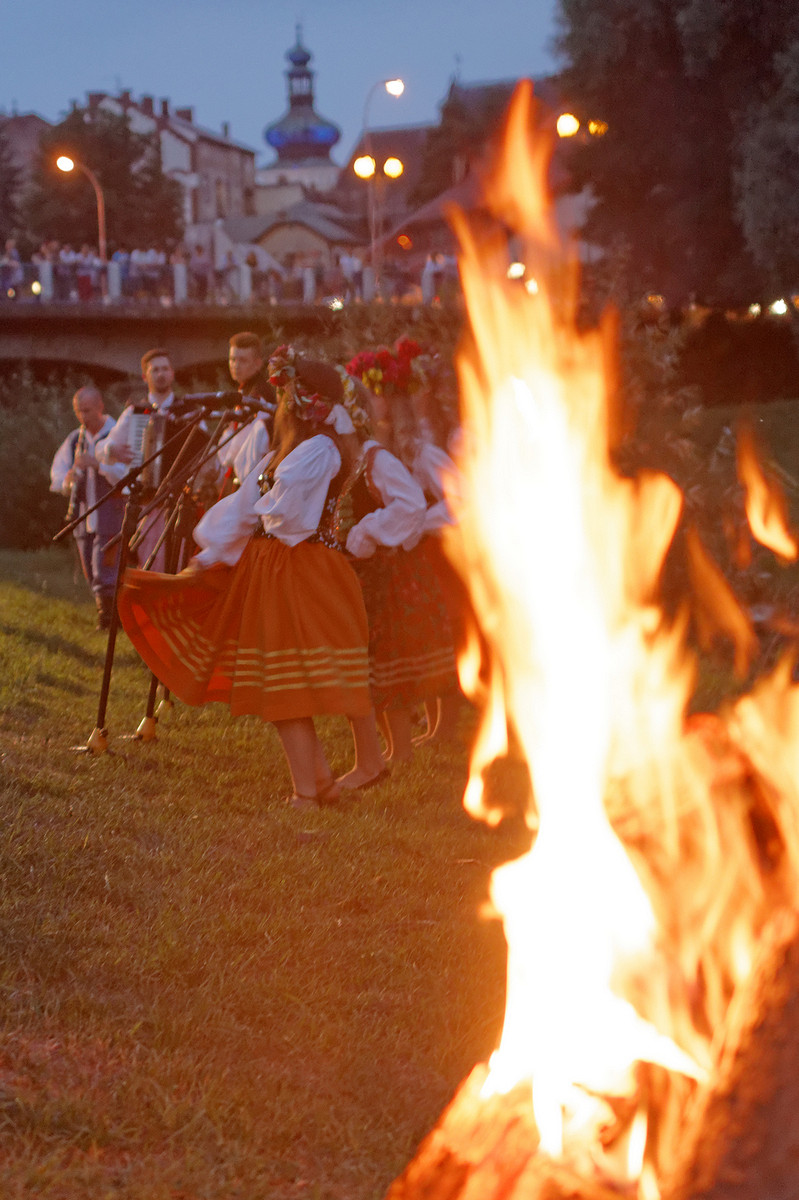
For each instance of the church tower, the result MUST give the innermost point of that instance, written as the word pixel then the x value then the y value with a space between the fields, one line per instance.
pixel 301 138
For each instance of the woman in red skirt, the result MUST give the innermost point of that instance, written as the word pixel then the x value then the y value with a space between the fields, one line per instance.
pixel 269 616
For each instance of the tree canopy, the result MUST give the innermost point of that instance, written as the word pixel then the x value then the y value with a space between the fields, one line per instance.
pixel 142 205
pixel 9 188
pixel 696 177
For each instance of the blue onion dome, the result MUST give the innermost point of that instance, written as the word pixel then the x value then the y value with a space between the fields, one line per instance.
pixel 301 133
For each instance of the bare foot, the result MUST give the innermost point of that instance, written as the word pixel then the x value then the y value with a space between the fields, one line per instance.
pixel 358 778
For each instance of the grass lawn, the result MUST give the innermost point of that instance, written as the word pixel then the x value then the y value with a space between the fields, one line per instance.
pixel 204 993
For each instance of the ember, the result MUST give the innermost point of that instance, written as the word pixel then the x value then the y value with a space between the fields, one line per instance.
pixel 665 856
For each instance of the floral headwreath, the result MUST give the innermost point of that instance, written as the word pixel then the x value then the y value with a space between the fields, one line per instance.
pixel 387 372
pixel 306 404
pixel 352 401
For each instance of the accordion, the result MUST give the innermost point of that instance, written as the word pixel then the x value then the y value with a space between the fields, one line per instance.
pixel 153 433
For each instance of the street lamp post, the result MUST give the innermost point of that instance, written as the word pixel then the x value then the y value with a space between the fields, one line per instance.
pixel 65 163
pixel 368 171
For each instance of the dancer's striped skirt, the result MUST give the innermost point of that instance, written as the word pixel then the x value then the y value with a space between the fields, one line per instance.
pixel 411 654
pixel 281 635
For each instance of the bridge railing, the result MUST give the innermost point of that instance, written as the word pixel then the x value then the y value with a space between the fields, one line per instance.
pixel 121 284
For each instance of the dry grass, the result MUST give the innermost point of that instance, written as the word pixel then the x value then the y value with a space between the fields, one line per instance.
pixel 204 993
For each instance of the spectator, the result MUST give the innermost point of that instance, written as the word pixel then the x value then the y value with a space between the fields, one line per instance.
pixel 87 266
pixel 200 271
pixel 65 285
pixel 122 256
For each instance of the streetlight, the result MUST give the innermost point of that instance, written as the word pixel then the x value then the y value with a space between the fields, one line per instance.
pixel 365 167
pixel 65 163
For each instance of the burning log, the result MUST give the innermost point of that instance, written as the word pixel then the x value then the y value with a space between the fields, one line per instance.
pixel 743 1136
pixel 740 1139
pixel 487 1150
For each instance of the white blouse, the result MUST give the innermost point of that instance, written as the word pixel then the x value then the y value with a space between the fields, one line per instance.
pixel 434 470
pixel 245 448
pixel 403 514
pixel 290 510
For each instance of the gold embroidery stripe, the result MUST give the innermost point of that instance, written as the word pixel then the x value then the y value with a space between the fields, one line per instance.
pixel 285 668
pixel 411 668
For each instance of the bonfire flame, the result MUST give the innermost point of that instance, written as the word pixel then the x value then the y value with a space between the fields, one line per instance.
pixel 634 917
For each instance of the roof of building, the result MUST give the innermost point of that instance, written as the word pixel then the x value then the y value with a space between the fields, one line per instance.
pixel 324 219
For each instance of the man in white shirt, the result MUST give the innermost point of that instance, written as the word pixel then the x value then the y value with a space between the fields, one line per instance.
pixel 74 473
pixel 116 456
pixel 246 448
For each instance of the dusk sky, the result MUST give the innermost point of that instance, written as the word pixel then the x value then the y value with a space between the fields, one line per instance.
pixel 226 57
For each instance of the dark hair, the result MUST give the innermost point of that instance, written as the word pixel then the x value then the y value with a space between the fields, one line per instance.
pixel 247 341
pixel 147 358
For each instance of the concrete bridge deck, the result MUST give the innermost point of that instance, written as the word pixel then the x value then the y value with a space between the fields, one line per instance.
pixel 111 340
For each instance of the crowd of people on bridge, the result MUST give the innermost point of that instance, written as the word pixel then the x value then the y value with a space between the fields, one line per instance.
pixel 69 274
pixel 316 583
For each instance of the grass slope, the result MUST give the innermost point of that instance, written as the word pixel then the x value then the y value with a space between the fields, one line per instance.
pixel 204 993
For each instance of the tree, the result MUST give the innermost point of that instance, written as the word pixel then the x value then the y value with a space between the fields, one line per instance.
pixel 143 206
pixel 9 188
pixel 767 178
pixel 678 82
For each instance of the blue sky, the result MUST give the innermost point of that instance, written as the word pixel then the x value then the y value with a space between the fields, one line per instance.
pixel 226 57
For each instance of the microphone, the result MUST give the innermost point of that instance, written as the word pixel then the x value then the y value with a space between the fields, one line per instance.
pixel 258 405
pixel 228 400
pixel 221 399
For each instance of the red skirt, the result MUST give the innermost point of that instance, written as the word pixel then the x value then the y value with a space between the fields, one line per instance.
pixel 411 655
pixel 281 635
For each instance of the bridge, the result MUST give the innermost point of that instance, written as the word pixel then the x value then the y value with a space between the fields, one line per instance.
pixel 107 342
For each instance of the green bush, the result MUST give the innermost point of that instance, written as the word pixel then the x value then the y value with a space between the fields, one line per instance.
pixel 35 418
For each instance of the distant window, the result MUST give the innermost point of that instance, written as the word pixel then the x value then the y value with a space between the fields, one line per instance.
pixel 221 199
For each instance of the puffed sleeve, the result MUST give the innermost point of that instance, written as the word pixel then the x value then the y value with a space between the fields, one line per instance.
pixel 402 515
pixel 437 475
pixel 224 531
pixel 292 508
pixel 61 464
pixel 252 448
pixel 111 471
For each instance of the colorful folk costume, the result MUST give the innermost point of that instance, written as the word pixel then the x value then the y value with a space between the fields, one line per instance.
pixel 269 618
pixel 411 655
pixel 431 467
pixel 407 661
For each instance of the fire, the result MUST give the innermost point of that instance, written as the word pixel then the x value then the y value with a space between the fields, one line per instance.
pixel 634 920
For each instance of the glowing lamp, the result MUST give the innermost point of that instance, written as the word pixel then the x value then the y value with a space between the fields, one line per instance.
pixel 65 163
pixel 516 270
pixel 364 167
pixel 393 168
pixel 567 125
pixel 394 87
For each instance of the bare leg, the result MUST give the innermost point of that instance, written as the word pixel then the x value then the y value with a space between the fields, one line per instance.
pixel 304 755
pixel 323 773
pixel 449 707
pixel 442 719
pixel 432 713
pixel 369 761
pixel 399 726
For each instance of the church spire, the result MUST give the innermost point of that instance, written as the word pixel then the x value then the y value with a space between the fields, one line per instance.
pixel 301 134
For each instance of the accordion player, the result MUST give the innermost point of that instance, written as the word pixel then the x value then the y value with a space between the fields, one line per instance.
pixel 143 429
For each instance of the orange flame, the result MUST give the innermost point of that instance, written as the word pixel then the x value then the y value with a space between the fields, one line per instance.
pixel 765 503
pixel 633 919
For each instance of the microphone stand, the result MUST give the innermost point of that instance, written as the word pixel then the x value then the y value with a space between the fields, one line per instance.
pixel 177 532
pixel 97 742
